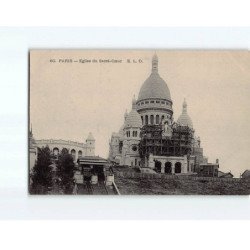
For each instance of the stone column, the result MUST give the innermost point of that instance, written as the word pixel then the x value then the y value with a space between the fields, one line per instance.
pixel 173 166
pixel 185 165
pixel 76 156
pixel 162 167
pixel 151 161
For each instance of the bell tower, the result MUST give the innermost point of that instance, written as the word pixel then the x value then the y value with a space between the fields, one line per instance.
pixel 90 145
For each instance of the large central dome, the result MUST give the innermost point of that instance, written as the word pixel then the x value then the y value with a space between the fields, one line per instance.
pixel 154 87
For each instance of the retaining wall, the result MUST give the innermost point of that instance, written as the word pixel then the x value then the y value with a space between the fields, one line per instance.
pixel 133 175
pixel 161 184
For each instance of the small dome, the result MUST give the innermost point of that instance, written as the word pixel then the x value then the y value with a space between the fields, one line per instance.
pixel 154 86
pixel 133 119
pixel 90 137
pixel 184 119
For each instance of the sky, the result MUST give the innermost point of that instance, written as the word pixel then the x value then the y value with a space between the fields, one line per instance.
pixel 70 99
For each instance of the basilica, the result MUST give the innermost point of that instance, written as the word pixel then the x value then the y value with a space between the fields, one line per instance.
pixel 150 138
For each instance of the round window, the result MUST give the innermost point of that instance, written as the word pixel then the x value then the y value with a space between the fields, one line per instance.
pixel 134 148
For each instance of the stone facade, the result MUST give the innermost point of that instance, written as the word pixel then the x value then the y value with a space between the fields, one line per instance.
pixel 123 146
pixel 153 107
pixel 76 149
pixel 171 164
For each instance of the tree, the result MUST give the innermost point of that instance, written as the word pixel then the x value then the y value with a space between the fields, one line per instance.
pixel 65 171
pixel 41 175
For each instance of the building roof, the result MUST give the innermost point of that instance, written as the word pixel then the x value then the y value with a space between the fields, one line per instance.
pixel 246 173
pixel 44 142
pixel 154 86
pixel 133 119
pixel 209 164
pixel 92 160
pixel 184 119
pixel 222 174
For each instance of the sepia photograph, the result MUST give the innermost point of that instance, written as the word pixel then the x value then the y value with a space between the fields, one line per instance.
pixel 125 123
pixel 139 122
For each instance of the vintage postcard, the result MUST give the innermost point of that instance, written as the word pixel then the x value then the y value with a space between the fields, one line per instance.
pixel 139 122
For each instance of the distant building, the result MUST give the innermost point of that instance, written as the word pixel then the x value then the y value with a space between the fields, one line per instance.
pixel 225 175
pixel 246 174
pixel 93 165
pixel 32 150
pixel 76 149
pixel 208 170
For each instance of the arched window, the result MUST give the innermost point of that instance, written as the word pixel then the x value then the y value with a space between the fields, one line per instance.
pixel 142 119
pixel 79 153
pixel 177 168
pixel 168 167
pixel 55 151
pixel 158 166
pixel 151 119
pixel 73 153
pixel 146 120
pixel 157 119
pixel 162 118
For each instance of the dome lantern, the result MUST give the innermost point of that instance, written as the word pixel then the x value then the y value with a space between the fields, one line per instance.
pixel 184 106
pixel 155 64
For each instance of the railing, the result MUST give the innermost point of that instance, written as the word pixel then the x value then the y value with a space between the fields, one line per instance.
pixel 50 141
pixel 116 188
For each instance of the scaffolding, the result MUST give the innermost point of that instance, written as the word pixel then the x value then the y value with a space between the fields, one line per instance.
pixel 154 142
